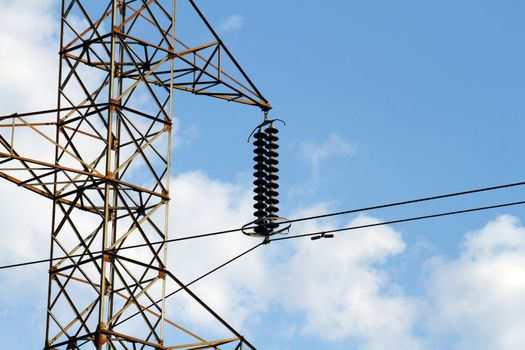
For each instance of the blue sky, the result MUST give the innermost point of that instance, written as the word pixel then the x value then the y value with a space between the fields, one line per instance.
pixel 384 101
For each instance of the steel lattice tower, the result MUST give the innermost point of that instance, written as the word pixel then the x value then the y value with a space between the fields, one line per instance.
pixel 103 157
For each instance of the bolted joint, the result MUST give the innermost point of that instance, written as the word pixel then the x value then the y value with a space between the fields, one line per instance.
pixel 114 144
pixel 107 256
pixel 118 70
pixel 162 274
pixel 122 6
pixel 72 344
pixel 109 289
pixel 171 53
pixel 141 210
pixel 52 272
pixel 100 337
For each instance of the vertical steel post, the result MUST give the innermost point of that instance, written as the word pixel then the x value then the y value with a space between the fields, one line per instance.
pixel 108 68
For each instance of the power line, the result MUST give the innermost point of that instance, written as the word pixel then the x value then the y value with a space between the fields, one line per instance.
pixel 310 234
pixel 414 218
pixel 352 211
pixel 358 210
pixel 314 217
pixel 196 280
pixel 411 201
pixel 170 294
pixel 34 262
pixel 40 261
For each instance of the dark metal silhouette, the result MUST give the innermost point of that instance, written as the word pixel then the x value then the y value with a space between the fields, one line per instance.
pixel 103 157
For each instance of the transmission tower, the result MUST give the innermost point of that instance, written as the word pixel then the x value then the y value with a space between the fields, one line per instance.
pixel 102 156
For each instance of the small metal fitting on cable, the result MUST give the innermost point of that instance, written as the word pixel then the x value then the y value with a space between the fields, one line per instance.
pixel 322 235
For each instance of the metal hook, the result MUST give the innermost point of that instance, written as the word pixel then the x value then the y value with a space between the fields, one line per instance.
pixel 266 121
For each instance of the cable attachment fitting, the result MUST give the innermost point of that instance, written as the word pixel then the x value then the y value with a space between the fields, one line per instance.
pixel 267 222
pixel 265 122
pixel 322 235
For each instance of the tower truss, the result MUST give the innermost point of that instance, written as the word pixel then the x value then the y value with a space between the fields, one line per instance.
pixel 103 158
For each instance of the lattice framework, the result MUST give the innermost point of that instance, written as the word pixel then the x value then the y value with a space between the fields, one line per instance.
pixel 103 158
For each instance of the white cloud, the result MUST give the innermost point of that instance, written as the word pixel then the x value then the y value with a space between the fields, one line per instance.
pixel 342 292
pixel 23 289
pixel 330 282
pixel 334 146
pixel 338 281
pixel 231 23
pixel 28 67
pixel 28 56
pixel 479 298
pixel 183 135
pixel 339 286
pixel 203 205
pixel 243 291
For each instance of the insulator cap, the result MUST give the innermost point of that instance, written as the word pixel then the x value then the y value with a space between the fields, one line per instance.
pixel 272 209
pixel 260 166
pixel 260 158
pixel 272 201
pixel 272 145
pixel 260 143
pixel 260 182
pixel 271 193
pixel 260 174
pixel 271 161
pixel 271 130
pixel 272 177
pixel 260 189
pixel 271 154
pixel 259 135
pixel 259 213
pixel 260 197
pixel 272 185
pixel 260 205
pixel 272 169
pixel 271 138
